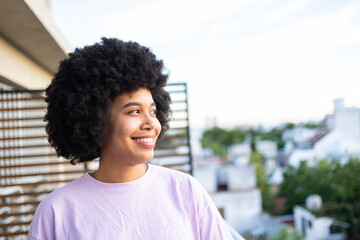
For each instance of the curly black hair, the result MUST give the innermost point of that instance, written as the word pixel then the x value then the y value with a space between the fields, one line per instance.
pixel 82 91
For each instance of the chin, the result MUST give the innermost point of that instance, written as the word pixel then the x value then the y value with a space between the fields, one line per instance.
pixel 148 159
pixel 145 158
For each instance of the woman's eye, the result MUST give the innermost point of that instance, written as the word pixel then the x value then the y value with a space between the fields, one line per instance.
pixel 154 112
pixel 135 111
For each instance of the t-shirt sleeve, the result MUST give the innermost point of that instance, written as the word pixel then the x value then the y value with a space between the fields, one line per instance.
pixel 211 223
pixel 42 226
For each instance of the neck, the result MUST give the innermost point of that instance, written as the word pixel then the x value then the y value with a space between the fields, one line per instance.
pixel 118 173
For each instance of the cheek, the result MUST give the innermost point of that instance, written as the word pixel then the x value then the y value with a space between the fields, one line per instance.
pixel 129 126
pixel 120 129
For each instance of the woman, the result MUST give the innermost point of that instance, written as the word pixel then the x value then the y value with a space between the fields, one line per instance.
pixel 108 101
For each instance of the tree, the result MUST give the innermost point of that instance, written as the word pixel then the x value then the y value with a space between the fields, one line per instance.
pixel 212 139
pixel 290 126
pixel 262 181
pixel 333 181
pixel 296 186
pixel 219 140
pixel 312 125
pixel 337 184
pixel 287 233
pixel 274 134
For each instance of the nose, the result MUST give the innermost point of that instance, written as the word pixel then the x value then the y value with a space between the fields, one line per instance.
pixel 149 122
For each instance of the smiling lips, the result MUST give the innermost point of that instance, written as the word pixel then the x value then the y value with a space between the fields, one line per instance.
pixel 145 141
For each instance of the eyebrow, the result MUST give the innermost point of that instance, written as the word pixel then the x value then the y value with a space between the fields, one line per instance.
pixel 135 104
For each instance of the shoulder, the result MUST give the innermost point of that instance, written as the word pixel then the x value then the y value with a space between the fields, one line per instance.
pixel 53 208
pixel 173 175
pixel 60 195
pixel 194 199
pixel 182 183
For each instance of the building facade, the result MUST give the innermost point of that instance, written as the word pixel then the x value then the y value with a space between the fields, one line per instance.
pixel 31 46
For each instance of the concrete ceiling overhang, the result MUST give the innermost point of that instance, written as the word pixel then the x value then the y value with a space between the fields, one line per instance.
pixel 36 38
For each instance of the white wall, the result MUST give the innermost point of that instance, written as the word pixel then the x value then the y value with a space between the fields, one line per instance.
pixel 337 145
pixel 207 177
pixel 330 121
pixel 267 148
pixel 299 155
pixel 241 178
pixel 240 153
pixel 299 134
pixel 348 122
pixel 315 228
pixel 241 208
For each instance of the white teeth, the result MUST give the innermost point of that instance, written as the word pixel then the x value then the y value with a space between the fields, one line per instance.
pixel 144 139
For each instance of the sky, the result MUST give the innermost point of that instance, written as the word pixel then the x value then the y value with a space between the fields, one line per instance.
pixel 246 62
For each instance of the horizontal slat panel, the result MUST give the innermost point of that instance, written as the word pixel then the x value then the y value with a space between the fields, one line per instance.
pixel 177 165
pixel 19 204
pixel 17 214
pixel 179 110
pixel 172 146
pixel 29 156
pixel 26 194
pixel 50 163
pixel 169 138
pixel 172 155
pixel 3 119
pixel 42 126
pixel 19 99
pixel 40 174
pixel 2 225
pixel 176 91
pixel 38 183
pixel 26 146
pixel 179 101
pixel 179 119
pixel 14 234
pixel 177 129
pixel 21 109
pixel 22 138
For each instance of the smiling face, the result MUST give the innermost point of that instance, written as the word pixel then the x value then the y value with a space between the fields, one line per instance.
pixel 133 128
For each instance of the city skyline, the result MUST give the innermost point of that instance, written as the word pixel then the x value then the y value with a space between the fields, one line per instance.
pixel 245 62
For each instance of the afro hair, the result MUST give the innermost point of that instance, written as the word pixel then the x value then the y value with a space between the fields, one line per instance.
pixel 82 91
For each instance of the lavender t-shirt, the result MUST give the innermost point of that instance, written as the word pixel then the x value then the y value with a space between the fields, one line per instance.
pixel 162 204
